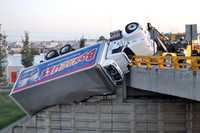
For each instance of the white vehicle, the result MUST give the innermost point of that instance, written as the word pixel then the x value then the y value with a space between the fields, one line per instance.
pixel 134 40
pixel 74 76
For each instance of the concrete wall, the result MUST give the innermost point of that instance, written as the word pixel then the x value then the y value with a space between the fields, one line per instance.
pixel 134 116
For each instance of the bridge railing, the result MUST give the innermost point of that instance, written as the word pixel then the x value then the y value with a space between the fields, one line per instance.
pixel 163 62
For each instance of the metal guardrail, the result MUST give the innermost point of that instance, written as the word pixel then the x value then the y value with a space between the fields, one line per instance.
pixel 163 62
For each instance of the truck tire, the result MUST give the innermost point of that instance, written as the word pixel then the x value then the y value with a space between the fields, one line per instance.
pixel 66 49
pixel 131 27
pixel 51 54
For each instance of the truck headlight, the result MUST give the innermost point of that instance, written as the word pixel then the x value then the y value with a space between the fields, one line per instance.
pixel 114 74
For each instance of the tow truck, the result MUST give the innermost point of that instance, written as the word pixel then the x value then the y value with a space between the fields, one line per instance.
pixel 69 75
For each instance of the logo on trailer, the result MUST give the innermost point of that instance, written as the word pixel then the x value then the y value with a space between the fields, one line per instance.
pixel 74 61
pixel 28 76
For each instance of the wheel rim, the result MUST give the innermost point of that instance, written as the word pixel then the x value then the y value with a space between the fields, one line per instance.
pixel 132 27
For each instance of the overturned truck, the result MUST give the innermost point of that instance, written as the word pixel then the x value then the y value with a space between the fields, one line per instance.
pixel 90 71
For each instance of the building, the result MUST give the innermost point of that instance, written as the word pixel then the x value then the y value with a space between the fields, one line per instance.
pixel 14 65
pixel 175 36
pixel 90 41
pixel 197 42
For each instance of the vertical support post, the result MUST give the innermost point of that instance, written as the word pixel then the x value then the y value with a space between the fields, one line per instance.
pixel 160 119
pixel 60 117
pixel 125 87
pixel 122 91
pixel 73 119
pixel 99 117
pixel 24 128
pixel 36 124
pixel 48 122
pixel 13 129
pixel 189 117
pixel 132 122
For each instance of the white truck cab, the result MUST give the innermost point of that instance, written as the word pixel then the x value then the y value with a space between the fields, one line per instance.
pixel 134 40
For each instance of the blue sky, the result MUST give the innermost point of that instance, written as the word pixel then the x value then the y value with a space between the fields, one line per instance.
pixel 70 19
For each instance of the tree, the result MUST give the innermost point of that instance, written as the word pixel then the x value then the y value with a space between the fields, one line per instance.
pixel 27 54
pixel 102 39
pixel 3 60
pixel 35 51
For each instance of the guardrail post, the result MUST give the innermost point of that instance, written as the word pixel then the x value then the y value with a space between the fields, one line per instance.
pixel 122 91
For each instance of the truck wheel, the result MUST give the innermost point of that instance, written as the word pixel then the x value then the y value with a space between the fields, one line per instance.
pixel 66 49
pixel 51 54
pixel 131 27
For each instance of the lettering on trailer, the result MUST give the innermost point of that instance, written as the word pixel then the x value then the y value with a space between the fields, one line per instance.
pixel 58 67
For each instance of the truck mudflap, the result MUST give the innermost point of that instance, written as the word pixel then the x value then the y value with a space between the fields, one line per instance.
pixel 66 79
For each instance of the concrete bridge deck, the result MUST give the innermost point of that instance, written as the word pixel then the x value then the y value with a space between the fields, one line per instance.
pixel 181 83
